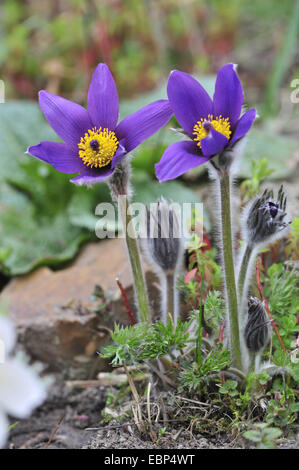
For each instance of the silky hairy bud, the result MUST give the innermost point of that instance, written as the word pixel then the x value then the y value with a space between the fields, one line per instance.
pixel 265 217
pixel 164 242
pixel 257 328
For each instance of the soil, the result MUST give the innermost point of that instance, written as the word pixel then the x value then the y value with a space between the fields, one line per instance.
pixel 116 439
pixel 68 411
pixel 71 419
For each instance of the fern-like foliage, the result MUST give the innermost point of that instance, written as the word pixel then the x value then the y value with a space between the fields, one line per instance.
pixel 141 342
pixel 196 374
pixel 282 291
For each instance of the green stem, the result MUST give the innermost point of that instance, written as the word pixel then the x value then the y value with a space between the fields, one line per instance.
pixel 234 371
pixel 251 367
pixel 243 271
pixel 229 269
pixel 138 276
pixel 200 323
pixel 170 278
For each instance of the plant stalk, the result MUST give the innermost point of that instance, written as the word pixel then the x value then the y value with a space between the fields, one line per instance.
pixel 229 269
pixel 137 271
pixel 243 272
pixel 170 307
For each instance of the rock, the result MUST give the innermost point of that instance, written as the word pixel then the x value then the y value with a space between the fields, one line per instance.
pixel 58 322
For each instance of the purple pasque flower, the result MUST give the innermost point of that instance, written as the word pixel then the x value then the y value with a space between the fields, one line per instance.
pixel 212 125
pixel 93 141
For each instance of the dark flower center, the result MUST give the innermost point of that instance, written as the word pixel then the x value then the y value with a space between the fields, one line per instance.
pixel 94 144
pixel 273 209
pixel 207 125
pixel 97 147
pixel 203 127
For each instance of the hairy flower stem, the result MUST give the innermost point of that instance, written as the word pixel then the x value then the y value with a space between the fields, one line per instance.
pixel 120 189
pixel 170 307
pixel 229 269
pixel 244 269
pixel 137 271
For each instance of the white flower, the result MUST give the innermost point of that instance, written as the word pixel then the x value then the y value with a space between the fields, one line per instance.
pixel 21 390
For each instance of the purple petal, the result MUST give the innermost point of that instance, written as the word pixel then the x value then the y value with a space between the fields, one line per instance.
pixel 141 125
pixel 69 120
pixel 177 159
pixel 92 176
pixel 214 143
pixel 103 98
pixel 61 156
pixel 228 96
pixel 243 125
pixel 189 100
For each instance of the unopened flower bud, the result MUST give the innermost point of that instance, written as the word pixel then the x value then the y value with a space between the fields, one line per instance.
pixel 257 329
pixel 265 217
pixel 164 242
pixel 164 249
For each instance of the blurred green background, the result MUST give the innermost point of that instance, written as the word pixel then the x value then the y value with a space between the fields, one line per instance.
pixel 56 44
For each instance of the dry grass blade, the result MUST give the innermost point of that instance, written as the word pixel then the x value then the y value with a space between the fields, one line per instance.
pixel 164 413
pixel 152 433
pixel 196 402
pixel 137 415
pixel 55 431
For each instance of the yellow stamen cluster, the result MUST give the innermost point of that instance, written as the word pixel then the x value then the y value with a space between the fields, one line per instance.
pixel 97 147
pixel 218 123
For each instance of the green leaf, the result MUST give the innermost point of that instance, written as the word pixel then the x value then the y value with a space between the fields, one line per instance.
pixel 21 125
pixel 264 142
pixel 27 243
pixel 254 436
pixel 272 433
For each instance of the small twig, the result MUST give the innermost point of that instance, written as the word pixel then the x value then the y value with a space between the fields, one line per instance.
pixel 33 440
pixel 196 402
pixel 55 431
pixel 259 286
pixel 178 434
pixel 165 379
pixel 107 428
pixel 152 433
pixel 126 302
pixel 158 413
pixel 104 379
pixel 138 417
pixel 164 412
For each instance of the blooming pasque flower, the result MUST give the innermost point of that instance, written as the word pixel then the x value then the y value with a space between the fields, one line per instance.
pixel 212 126
pixel 93 141
pixel 20 388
